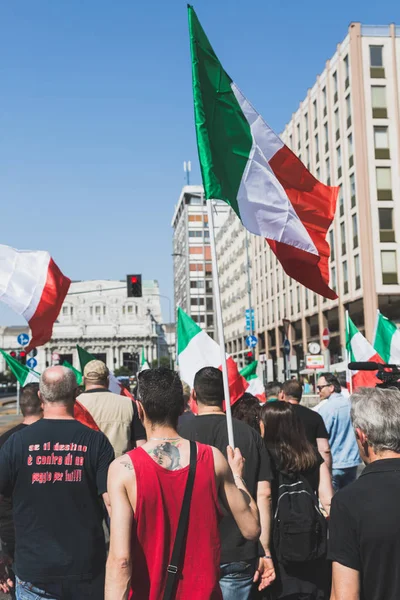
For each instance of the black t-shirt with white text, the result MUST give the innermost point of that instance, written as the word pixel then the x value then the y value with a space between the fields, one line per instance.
pixel 57 471
pixel 212 430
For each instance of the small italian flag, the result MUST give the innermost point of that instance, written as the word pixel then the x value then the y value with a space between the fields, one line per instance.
pixel 197 350
pixel 387 340
pixel 33 286
pixel 144 365
pixel 360 350
pixel 22 373
pixel 244 163
pixel 78 374
pixel 256 387
pixel 25 376
pixel 114 384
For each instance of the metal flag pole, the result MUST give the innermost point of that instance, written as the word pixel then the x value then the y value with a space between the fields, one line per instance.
pixel 348 353
pixel 18 397
pixel 220 327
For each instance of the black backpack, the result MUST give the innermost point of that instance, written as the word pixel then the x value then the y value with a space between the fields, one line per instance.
pixel 299 529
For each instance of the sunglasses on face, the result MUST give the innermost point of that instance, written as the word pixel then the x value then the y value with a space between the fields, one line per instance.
pixel 321 387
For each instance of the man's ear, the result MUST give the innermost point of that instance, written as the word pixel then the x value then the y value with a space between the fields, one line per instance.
pixel 140 410
pixel 41 400
pixel 282 396
pixel 194 395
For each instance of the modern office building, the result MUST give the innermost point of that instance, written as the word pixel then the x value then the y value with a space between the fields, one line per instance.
pixel 193 290
pixel 234 275
pixel 347 132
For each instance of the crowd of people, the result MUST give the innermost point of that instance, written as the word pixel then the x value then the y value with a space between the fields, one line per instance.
pixel 156 505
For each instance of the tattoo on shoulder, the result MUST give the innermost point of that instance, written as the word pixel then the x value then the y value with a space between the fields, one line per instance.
pixel 167 455
pixel 127 464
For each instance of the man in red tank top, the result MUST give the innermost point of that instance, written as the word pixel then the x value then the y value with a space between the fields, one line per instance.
pixel 146 488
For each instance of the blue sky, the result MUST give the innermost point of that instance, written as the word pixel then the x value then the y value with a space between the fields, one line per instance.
pixel 96 114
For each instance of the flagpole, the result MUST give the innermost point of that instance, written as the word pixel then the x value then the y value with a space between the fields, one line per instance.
pixel 18 397
pixel 347 351
pixel 220 326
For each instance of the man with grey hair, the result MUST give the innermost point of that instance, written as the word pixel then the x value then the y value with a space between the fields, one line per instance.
pixel 365 516
pixel 56 470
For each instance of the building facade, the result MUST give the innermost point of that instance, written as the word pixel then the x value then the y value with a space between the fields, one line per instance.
pixel 347 132
pixel 193 288
pixel 98 316
pixel 234 269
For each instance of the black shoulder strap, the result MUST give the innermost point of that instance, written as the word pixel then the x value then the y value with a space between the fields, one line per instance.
pixel 175 563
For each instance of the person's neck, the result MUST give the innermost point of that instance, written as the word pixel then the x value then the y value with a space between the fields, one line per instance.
pixel 94 386
pixel 156 432
pixel 203 409
pixel 30 419
pixel 58 411
pixel 374 456
pixel 292 401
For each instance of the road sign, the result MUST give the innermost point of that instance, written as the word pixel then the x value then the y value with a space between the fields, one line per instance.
pixel 286 346
pixel 248 312
pixel 326 336
pixel 23 339
pixel 33 352
pixel 55 357
pixel 251 341
pixel 31 363
pixel 315 361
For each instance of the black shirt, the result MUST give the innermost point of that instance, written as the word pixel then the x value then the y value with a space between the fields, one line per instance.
pixel 313 423
pixel 7 533
pixel 57 470
pixel 365 529
pixel 212 430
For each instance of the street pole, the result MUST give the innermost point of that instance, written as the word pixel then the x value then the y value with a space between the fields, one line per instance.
pixel 249 283
pixel 18 397
pixel 220 326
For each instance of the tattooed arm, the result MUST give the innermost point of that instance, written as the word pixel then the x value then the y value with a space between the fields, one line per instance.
pixel 121 477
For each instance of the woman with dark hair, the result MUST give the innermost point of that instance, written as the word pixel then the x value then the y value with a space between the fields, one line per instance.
pixel 295 459
pixel 248 410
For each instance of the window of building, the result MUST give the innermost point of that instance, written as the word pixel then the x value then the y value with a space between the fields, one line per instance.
pixel 379 105
pixel 130 309
pixel 209 304
pixel 306 298
pixel 196 200
pixel 318 173
pixel 206 234
pixel 376 62
pixel 291 141
pixel 381 140
pixel 71 312
pixel 277 280
pixel 324 101
pixel 197 301
pixel 315 299
pixel 195 218
pixel 384 183
pixel 335 86
pixel 341 201
pixel 345 277
pixel 198 318
pixel 357 271
pixel 97 310
pixel 326 136
pixel 348 110
pixel 389 267
pixel 354 222
pixel 306 126
pixel 386 229
pixel 315 114
pixel 333 279
pixel 208 269
pixel 353 190
pixel 332 244
pixel 343 237
pixel 65 310
pixel 337 123
pixel 316 143
pixel 339 161
pixel 346 71
pixel 195 233
pixel 210 320
pixel 123 310
pixel 298 136
pixel 298 299
pixel 350 150
pixel 308 157
pixel 209 286
pixel 196 284
pixel 328 171
pixel 104 310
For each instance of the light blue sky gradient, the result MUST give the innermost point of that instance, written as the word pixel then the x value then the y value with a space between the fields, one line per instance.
pixel 96 114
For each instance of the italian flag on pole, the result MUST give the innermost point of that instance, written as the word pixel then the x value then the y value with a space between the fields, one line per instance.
pixel 144 365
pixel 244 163
pixel 197 350
pixel 33 286
pixel 387 340
pixel 360 350
pixel 256 387
pixel 25 376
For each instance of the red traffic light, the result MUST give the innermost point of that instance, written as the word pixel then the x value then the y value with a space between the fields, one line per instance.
pixel 22 354
pixel 249 354
pixel 13 354
pixel 134 279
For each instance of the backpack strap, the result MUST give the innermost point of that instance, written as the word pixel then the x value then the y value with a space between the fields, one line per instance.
pixel 175 563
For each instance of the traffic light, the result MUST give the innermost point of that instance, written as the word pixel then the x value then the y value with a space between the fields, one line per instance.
pixel 249 357
pixel 134 286
pixel 13 354
pixel 22 357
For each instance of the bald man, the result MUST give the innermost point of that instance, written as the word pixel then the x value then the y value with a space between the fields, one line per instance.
pixel 56 470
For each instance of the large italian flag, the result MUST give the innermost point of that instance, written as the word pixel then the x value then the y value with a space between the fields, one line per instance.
pixel 387 340
pixel 244 163
pixel 33 286
pixel 197 350
pixel 360 350
pixel 256 386
pixel 114 384
pixel 25 376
